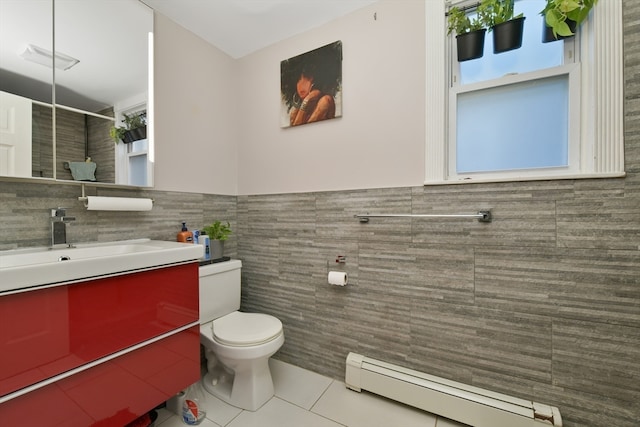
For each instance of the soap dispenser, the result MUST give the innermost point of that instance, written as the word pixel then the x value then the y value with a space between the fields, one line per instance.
pixel 185 235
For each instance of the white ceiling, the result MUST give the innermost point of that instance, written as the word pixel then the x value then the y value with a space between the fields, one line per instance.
pixel 113 58
pixel 240 27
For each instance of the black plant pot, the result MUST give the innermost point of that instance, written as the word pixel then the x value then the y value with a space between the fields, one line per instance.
pixel 470 45
pixel 135 134
pixel 508 35
pixel 547 32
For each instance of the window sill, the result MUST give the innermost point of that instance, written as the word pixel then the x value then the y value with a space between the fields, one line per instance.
pixel 483 180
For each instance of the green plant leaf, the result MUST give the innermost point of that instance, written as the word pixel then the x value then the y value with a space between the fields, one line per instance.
pixel 459 21
pixel 494 12
pixel 553 17
pixel 562 29
pixel 579 14
pixel 566 6
pixel 557 12
pixel 218 231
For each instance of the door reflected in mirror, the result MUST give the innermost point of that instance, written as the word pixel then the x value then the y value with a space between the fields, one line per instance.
pixel 102 72
pixel 26 90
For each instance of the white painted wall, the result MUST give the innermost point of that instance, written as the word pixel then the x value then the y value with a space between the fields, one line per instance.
pixel 379 140
pixel 196 130
pixel 231 110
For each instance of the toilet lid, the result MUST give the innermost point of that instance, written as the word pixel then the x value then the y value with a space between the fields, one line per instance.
pixel 244 329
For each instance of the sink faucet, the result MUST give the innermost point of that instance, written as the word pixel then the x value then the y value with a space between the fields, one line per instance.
pixel 59 221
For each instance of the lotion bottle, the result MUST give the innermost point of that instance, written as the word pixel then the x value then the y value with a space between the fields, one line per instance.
pixel 185 235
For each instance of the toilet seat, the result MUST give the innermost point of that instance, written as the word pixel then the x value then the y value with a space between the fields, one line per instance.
pixel 240 329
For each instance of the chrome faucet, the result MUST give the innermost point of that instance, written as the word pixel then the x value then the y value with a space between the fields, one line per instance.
pixel 59 221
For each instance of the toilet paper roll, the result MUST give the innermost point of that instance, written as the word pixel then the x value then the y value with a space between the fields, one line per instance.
pixel 338 278
pixel 97 203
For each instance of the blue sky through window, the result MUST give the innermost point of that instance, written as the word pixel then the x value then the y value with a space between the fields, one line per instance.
pixel 533 55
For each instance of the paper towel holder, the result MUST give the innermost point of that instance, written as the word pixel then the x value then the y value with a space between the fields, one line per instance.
pixel 85 200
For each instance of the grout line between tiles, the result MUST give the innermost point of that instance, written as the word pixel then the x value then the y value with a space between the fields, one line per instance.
pixel 320 397
pixel 232 419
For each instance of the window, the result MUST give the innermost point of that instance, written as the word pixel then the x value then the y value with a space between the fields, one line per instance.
pixel 524 128
pixel 133 164
pixel 538 112
pixel 138 164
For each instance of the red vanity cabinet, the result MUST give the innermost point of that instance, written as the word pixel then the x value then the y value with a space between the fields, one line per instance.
pixel 100 352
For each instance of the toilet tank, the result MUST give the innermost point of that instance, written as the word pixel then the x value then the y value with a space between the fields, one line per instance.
pixel 219 289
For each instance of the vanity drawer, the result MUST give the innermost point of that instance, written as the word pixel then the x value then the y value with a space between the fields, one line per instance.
pixel 46 332
pixel 115 392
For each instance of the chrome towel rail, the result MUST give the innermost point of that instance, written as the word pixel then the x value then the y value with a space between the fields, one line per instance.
pixel 481 216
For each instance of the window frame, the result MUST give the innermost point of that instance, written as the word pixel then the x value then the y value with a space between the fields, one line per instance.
pixel 596 84
pixel 572 71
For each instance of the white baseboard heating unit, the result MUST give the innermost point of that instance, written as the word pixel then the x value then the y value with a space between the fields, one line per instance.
pixel 460 402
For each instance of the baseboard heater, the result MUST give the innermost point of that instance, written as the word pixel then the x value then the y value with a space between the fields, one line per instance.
pixel 460 402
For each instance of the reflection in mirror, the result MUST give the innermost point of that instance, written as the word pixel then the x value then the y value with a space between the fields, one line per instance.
pixel 101 72
pixel 80 137
pixel 25 89
pixel 110 40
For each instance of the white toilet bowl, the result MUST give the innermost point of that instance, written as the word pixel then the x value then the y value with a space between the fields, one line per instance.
pixel 238 347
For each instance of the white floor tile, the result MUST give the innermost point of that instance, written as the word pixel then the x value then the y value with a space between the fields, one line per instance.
pixel 218 411
pixel 163 415
pixel 296 385
pixel 304 398
pixel 278 413
pixel 364 409
pixel 176 421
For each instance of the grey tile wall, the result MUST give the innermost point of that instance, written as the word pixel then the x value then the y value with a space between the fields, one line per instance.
pixel 25 210
pixel 41 137
pixel 70 141
pixel 543 303
pixel 101 147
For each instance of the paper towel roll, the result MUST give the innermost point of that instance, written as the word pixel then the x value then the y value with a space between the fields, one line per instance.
pixel 338 278
pixel 96 203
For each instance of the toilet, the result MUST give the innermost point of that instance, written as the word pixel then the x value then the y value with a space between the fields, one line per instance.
pixel 237 345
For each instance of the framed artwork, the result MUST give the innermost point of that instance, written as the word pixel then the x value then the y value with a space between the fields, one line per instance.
pixel 311 86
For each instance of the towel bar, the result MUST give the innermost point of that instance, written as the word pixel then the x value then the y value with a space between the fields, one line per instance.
pixel 481 216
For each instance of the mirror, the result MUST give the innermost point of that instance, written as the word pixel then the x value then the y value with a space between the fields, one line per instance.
pixel 110 40
pixel 27 88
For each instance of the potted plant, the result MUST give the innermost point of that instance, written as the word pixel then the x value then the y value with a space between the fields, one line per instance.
pixel 469 34
pixel 134 129
pixel 563 17
pixel 507 28
pixel 218 232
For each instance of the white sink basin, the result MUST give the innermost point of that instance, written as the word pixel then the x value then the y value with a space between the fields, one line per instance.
pixel 24 268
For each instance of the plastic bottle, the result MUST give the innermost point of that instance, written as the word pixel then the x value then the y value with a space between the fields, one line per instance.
pixel 192 410
pixel 204 241
pixel 185 235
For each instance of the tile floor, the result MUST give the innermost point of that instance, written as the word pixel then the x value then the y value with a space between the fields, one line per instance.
pixel 306 399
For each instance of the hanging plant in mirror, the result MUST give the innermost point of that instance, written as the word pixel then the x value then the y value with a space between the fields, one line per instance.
pixel 134 129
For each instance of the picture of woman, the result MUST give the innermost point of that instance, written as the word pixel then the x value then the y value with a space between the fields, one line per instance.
pixel 311 85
